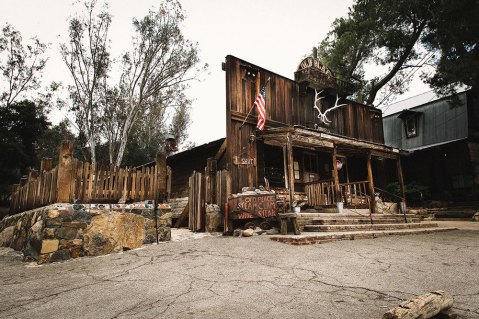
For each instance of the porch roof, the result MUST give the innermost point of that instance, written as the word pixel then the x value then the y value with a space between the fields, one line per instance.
pixel 307 138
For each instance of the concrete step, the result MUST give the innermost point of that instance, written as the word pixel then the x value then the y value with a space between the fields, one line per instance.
pixel 321 238
pixel 352 227
pixel 359 221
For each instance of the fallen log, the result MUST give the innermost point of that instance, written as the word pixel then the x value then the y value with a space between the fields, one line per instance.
pixel 424 306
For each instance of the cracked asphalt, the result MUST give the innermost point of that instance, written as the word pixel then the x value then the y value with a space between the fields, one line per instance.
pixel 226 277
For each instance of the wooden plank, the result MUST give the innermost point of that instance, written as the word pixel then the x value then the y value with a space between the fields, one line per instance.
pixel 289 149
pixel 371 184
pixel 133 194
pixel 65 173
pixel 190 202
pixel 400 178
pixel 142 184
pixel 336 176
pixel 86 176
pixel 221 151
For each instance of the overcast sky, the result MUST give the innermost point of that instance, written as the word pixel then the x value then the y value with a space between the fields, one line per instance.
pixel 274 34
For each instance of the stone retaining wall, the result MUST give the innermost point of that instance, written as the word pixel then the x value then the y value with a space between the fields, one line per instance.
pixel 63 231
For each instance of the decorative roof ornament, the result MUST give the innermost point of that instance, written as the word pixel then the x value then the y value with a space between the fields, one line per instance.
pixel 311 72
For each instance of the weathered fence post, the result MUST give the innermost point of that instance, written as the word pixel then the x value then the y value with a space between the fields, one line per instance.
pixel 161 171
pixel 65 167
pixel 210 171
pixel 45 164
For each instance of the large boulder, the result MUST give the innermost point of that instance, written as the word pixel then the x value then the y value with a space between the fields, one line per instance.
pixel 6 236
pixel 113 233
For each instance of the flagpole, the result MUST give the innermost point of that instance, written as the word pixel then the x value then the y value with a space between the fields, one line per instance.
pixel 251 109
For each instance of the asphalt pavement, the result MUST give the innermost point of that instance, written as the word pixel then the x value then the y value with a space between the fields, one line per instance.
pixel 230 277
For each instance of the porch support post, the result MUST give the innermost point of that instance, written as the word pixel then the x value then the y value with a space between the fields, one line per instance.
pixel 371 184
pixel 401 183
pixel 289 148
pixel 336 176
pixel 285 165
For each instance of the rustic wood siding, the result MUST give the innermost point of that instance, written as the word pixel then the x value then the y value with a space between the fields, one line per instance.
pixel 286 104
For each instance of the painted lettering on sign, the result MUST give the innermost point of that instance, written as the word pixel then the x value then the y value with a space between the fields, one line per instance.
pixel 259 206
pixel 311 62
pixel 244 161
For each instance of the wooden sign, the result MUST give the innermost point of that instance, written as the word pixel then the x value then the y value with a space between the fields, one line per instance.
pixel 252 206
pixel 244 161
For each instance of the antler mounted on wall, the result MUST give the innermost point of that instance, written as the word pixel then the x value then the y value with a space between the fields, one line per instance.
pixel 322 116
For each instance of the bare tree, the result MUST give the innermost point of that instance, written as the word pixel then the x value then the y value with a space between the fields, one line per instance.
pixel 20 65
pixel 159 66
pixel 87 58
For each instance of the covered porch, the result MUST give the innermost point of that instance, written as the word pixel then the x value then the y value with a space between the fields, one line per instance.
pixel 325 169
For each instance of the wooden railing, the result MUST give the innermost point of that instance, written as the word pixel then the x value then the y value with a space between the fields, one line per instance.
pixel 325 193
pixel 76 181
pixel 355 193
pixel 321 193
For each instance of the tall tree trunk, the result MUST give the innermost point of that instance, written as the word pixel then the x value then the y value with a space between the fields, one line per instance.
pixel 124 139
pixel 407 50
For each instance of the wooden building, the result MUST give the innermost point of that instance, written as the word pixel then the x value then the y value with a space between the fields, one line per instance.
pixel 317 148
pixel 305 151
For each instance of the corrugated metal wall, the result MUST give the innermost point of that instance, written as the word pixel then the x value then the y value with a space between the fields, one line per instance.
pixel 439 122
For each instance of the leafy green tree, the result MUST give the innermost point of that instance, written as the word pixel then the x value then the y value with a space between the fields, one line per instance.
pixel 383 32
pixel 402 36
pixel 88 60
pixel 48 144
pixel 20 65
pixel 454 34
pixel 157 70
pixel 21 126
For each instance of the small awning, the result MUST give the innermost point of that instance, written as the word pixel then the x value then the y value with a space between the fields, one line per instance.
pixel 408 113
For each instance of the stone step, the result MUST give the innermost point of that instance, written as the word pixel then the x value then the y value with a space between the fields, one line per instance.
pixel 321 238
pixel 351 227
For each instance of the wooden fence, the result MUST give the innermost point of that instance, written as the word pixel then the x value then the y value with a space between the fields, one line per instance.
pixel 212 187
pixel 76 181
pixel 325 193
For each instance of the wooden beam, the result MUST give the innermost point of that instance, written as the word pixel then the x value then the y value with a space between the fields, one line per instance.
pixel 285 165
pixel 384 154
pixel 289 148
pixel 424 306
pixel 336 176
pixel 221 151
pixel 400 178
pixel 65 166
pixel 46 164
pixel 371 184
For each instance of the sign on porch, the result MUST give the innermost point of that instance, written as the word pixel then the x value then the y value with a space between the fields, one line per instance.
pixel 252 206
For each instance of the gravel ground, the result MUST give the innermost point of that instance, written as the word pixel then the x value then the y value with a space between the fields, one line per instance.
pixel 198 276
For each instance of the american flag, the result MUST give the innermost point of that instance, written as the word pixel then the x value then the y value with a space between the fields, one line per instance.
pixel 261 109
